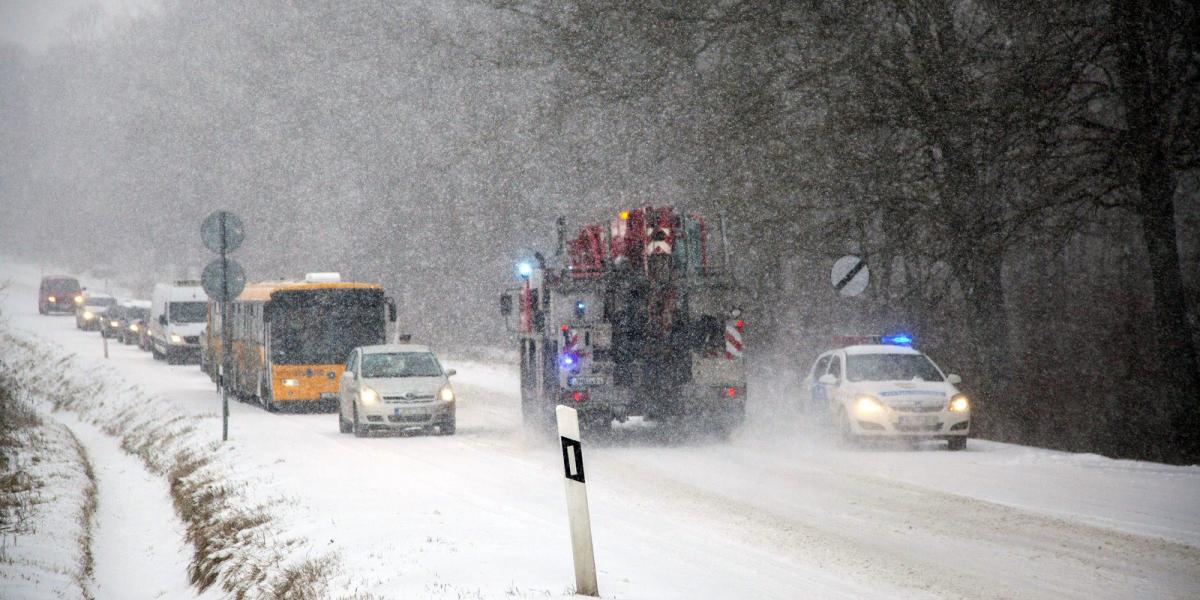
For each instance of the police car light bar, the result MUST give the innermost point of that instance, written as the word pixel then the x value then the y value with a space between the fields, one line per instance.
pixel 898 339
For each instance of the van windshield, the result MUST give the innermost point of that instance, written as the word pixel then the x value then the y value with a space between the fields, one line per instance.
pixel 187 312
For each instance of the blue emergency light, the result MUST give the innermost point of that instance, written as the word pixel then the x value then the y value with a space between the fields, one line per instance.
pixel 524 269
pixel 899 339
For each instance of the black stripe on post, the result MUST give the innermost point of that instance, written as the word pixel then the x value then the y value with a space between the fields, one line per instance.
pixel 850 275
pixel 569 445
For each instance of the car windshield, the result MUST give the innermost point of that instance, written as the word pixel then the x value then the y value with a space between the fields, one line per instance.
pixel 188 312
pixel 890 367
pixel 62 286
pixel 400 364
pixel 101 301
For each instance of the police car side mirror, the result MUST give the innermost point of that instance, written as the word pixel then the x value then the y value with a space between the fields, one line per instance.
pixel 505 305
pixel 953 379
pixel 827 379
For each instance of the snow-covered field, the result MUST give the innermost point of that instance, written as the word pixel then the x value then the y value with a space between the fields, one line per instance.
pixel 779 512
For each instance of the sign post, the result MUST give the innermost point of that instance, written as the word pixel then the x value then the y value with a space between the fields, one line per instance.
pixel 223 279
pixel 577 503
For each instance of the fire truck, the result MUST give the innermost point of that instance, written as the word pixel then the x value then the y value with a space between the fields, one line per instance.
pixel 631 318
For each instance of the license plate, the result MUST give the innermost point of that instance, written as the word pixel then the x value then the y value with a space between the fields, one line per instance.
pixel 407 412
pixel 922 421
pixel 585 380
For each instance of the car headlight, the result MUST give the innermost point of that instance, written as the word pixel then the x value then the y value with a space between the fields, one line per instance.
pixel 50 298
pixel 115 323
pixel 368 396
pixel 960 404
pixel 133 328
pixel 446 394
pixel 78 299
pixel 176 338
pixel 88 316
pixel 866 405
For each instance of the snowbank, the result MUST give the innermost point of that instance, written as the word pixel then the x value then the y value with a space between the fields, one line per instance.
pixel 47 498
pixel 237 542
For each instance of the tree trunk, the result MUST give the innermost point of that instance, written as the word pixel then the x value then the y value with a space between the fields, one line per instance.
pixel 995 412
pixel 1179 390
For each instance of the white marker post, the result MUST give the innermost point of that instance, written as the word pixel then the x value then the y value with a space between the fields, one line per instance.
pixel 577 503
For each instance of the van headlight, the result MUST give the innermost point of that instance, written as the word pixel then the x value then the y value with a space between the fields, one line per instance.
pixel 446 394
pixel 866 405
pixel 960 404
pixel 368 396
pixel 176 338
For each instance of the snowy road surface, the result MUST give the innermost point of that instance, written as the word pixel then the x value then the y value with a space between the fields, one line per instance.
pixel 779 512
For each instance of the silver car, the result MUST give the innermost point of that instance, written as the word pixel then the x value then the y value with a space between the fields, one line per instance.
pixel 394 387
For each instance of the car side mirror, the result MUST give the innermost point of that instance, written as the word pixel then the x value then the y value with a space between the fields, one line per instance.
pixel 451 373
pixel 827 379
pixel 162 319
pixel 505 305
pixel 953 379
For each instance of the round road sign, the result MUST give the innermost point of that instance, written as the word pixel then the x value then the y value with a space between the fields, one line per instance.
pixel 210 280
pixel 850 275
pixel 211 231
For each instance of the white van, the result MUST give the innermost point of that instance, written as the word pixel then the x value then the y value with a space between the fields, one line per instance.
pixel 178 312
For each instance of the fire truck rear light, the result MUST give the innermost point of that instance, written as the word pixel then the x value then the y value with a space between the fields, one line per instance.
pixel 738 323
pixel 730 392
pixel 563 328
pixel 576 396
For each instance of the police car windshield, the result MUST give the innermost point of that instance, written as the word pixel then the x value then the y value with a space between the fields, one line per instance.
pixel 400 364
pixel 890 367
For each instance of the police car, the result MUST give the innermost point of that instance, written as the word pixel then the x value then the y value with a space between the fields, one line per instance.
pixel 882 387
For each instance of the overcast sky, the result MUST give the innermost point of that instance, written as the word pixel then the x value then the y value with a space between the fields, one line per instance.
pixel 38 24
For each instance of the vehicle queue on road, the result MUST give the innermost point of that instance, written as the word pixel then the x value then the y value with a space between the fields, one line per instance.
pixel 319 344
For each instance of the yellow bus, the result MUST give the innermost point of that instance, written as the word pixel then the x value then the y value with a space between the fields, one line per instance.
pixel 290 340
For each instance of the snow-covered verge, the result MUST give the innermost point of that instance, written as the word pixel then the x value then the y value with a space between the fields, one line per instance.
pixel 237 543
pixel 47 499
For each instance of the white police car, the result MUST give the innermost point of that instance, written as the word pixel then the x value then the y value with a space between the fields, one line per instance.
pixel 888 389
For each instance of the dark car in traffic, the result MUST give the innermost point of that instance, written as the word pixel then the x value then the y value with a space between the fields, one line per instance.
pixel 133 321
pixel 59 293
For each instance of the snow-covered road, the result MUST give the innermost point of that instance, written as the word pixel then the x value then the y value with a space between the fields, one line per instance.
pixel 779 512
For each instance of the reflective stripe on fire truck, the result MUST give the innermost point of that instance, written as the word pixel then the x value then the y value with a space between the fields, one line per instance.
pixel 733 339
pixel 662 246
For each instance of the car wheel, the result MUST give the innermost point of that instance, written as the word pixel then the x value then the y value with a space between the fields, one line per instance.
pixel 355 426
pixel 446 428
pixel 344 426
pixel 845 430
pixel 956 443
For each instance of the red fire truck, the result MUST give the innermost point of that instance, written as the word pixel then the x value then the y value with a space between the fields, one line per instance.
pixel 629 318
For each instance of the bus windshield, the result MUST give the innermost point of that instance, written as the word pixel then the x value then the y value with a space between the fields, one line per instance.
pixel 321 327
pixel 890 367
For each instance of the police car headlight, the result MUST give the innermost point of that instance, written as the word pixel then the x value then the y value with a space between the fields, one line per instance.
pixel 446 394
pixel 176 338
pixel 866 405
pixel 960 404
pixel 368 396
